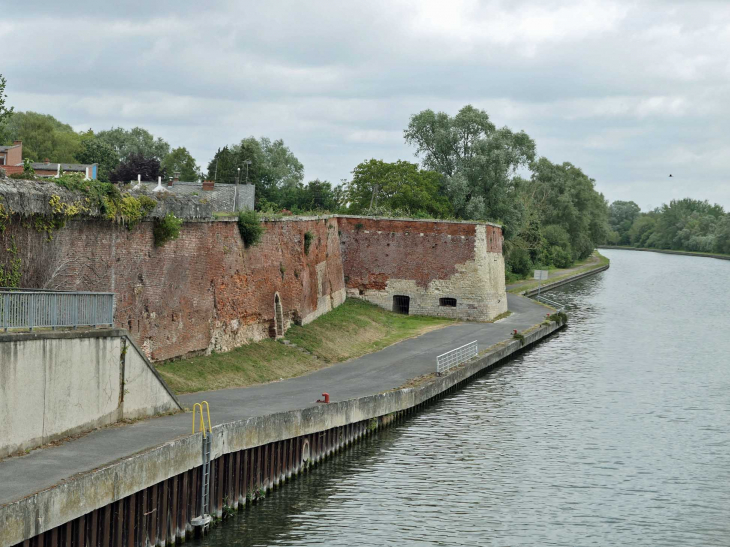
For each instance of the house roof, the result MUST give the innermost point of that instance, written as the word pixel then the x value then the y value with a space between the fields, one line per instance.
pixel 8 147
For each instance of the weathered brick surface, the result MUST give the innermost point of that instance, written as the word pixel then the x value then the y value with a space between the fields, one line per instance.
pixel 200 292
pixel 205 291
pixel 426 261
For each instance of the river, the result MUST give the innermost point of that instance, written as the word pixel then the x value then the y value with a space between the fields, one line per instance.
pixel 614 432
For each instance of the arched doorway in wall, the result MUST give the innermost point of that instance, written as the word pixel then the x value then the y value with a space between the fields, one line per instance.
pixel 278 316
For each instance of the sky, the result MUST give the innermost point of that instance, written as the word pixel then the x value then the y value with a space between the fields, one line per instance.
pixel 629 91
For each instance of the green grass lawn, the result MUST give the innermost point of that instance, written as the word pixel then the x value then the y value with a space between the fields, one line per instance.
pixel 358 327
pixel 351 330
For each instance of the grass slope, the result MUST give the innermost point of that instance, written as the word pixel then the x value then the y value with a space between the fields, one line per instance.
pixel 351 330
pixel 580 268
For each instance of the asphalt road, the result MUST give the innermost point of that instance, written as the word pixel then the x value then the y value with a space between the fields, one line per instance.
pixel 368 375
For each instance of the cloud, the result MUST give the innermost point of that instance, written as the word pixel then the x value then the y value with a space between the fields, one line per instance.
pixel 625 90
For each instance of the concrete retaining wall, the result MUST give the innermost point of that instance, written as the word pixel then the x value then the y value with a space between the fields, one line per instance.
pixel 57 384
pixel 113 483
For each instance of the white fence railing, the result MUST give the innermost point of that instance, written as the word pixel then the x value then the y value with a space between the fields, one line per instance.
pixel 29 309
pixel 456 357
pixel 559 307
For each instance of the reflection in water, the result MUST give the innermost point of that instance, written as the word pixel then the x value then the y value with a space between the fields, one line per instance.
pixel 613 432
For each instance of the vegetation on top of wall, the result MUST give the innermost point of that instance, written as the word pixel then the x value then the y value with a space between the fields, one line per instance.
pixel 4 216
pixel 250 227
pixel 167 229
pixel 11 273
pixel 308 237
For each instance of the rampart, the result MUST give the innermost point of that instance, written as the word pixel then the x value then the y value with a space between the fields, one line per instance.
pixel 206 291
pixel 445 268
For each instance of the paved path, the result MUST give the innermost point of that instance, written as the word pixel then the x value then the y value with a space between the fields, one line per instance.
pixel 368 375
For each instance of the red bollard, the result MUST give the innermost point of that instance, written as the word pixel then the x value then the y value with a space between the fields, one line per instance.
pixel 326 398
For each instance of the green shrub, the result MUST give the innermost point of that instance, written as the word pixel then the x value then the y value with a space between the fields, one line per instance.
pixel 250 228
pixel 147 204
pixel 519 336
pixel 561 257
pixel 167 229
pixel 519 261
pixel 308 237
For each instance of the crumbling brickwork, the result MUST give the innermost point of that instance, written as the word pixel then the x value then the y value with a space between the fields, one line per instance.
pixel 206 292
pixel 201 292
pixel 449 269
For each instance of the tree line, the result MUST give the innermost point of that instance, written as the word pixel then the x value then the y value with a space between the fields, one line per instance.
pixel 682 225
pixel 467 168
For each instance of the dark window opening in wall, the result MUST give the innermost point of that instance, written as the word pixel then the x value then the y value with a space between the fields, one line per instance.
pixel 447 302
pixel 401 304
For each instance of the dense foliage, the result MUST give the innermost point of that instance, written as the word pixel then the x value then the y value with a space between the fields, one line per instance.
pixel 250 228
pixel 396 186
pixel 166 229
pixel 682 225
pixel 148 167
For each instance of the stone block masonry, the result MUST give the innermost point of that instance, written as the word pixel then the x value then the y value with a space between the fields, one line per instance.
pixel 448 269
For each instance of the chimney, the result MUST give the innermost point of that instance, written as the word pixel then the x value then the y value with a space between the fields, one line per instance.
pixel 170 181
pixel 15 143
pixel 176 177
pixel 46 160
pixel 208 185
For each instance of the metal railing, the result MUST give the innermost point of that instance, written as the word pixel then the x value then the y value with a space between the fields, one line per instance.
pixel 28 309
pixel 558 307
pixel 455 357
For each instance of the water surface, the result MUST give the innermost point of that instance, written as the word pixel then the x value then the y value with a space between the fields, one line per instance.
pixel 613 432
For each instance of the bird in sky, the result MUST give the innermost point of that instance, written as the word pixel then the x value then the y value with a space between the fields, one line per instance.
pixel 670 175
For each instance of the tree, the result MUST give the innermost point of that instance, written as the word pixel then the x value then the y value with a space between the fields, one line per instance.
pixel 136 164
pixel 479 161
pixel 568 199
pixel 134 142
pixel 397 186
pixel 43 137
pixel 621 216
pixel 5 112
pixel 180 161
pixel 273 167
pixel 93 150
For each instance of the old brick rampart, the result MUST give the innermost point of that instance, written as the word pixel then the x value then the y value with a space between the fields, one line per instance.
pixel 450 269
pixel 203 291
pixel 206 292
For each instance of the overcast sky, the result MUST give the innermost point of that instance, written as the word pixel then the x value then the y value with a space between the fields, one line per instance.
pixel 628 91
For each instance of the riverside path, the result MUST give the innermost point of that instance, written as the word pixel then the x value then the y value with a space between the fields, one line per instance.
pixel 371 374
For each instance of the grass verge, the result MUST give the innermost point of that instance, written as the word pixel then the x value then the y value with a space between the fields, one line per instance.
pixel 351 330
pixel 358 327
pixel 602 261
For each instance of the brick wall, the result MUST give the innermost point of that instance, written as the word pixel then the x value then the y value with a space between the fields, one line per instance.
pixel 203 291
pixel 425 261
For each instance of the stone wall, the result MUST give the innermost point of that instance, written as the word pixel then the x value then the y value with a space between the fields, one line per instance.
pixel 426 261
pixel 203 291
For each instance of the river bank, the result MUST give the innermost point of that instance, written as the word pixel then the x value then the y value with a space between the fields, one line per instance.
pixel 666 251
pixel 594 264
pixel 612 432
pixel 105 472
